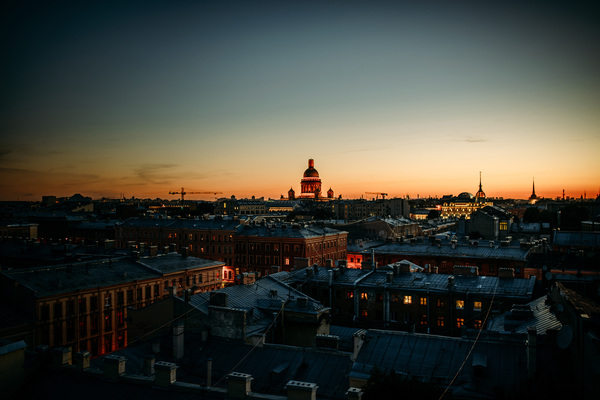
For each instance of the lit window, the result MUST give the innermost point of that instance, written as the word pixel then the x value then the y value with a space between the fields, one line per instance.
pixel 477 305
pixel 407 299
pixel 423 301
pixel 424 319
pixel 460 322
pixel 350 294
pixel 460 304
pixel 440 303
pixel 477 324
pixel 364 296
pixel 363 313
pixel 287 261
pixel 440 321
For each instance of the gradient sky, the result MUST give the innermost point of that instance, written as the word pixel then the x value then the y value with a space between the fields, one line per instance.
pixel 403 97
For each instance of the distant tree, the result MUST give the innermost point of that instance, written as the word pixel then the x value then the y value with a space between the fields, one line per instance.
pixel 433 214
pixel 532 214
pixel 393 386
pixel 572 215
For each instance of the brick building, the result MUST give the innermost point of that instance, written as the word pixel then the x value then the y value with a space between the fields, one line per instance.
pixel 443 255
pixel 83 305
pixel 403 297
pixel 262 247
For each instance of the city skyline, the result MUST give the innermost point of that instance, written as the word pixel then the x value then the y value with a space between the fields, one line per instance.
pixel 141 99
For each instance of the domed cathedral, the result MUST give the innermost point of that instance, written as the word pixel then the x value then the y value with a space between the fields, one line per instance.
pixel 480 195
pixel 310 185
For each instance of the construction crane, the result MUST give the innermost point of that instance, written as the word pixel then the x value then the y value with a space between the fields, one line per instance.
pixel 183 193
pixel 378 194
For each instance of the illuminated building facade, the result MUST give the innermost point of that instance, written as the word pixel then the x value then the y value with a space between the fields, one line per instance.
pixel 310 185
pixel 84 305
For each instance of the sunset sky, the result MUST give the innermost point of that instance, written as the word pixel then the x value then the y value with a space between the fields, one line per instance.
pixel 403 97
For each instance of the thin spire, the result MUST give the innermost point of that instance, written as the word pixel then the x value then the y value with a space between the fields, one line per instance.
pixel 480 181
pixel 533 191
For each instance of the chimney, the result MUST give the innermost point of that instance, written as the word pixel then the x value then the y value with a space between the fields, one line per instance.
pixel 450 282
pixel 389 277
pixel 148 367
pixel 184 250
pixel 114 367
pixel 178 340
pixel 61 356
pixel 297 390
pixel 238 385
pixel 166 374
pixel 218 299
pixel 82 360
pixel 172 247
pixel 531 351
pixel 329 263
pixel 302 302
pixel 354 394
pixel 209 372
pixel 153 251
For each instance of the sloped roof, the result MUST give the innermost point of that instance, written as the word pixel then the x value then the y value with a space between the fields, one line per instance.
pixel 536 313
pixel 65 278
pixel 459 251
pixel 437 359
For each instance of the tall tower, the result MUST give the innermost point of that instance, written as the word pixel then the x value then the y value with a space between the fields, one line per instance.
pixel 533 198
pixel 480 195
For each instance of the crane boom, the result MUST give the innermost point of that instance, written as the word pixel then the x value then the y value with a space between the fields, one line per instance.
pixel 183 193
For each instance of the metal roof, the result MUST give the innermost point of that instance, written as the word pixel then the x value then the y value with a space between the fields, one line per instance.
pixel 458 251
pixel 536 313
pixel 437 359
pixel 65 278
pixel 419 281
pixel 297 231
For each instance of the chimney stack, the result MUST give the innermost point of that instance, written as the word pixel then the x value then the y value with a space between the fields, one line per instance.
pixel 166 374
pixel 178 340
pixel 301 390
pixel 238 385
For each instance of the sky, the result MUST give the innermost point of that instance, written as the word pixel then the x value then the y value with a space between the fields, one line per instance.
pixel 140 98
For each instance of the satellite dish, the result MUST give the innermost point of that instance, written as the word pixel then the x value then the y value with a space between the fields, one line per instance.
pixel 549 275
pixel 564 337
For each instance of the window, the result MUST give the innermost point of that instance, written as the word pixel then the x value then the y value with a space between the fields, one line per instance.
pixel 363 313
pixel 107 323
pixel 82 305
pixel 503 226
pixel 107 300
pixel 477 324
pixel 440 321
pixel 286 247
pixel 407 299
pixel 423 320
pixel 287 261
pixel 364 296
pixel 120 298
pixel 460 322
pixel 349 294
pixel 440 303
pixel 460 304
pixel 394 298
pixel 120 319
pixel 423 301
pixel 57 310
pixel 477 305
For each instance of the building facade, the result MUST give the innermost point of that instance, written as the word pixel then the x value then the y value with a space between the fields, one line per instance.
pixel 83 305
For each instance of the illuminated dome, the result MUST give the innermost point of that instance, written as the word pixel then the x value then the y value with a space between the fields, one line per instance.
pixel 465 196
pixel 311 172
pixel 310 183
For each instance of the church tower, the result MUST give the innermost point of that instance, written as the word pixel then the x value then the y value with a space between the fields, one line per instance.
pixel 480 195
